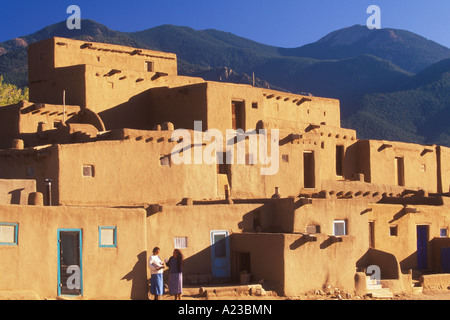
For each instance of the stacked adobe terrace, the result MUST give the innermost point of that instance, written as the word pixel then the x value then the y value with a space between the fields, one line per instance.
pixel 103 129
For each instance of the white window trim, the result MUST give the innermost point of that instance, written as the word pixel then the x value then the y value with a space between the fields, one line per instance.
pixel 334 227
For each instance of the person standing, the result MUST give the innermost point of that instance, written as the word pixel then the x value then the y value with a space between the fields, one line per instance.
pixel 175 265
pixel 157 268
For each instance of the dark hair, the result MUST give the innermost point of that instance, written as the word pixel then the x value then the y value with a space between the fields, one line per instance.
pixel 179 259
pixel 155 249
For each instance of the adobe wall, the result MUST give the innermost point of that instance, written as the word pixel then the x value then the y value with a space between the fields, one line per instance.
pixel 126 92
pixel 97 75
pixel 130 172
pixel 16 191
pixel 108 273
pixel 62 52
pixel 404 245
pixel 310 266
pixel 50 85
pixel 36 164
pixel 195 222
pixel 420 165
pixel 266 262
pixel 444 168
pixel 271 106
pixel 9 125
pixel 323 212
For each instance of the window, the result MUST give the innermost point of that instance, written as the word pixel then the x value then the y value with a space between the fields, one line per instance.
pixel 285 158
pixel 393 231
pixel 107 237
pixel 238 115
pixel 88 170
pixel 400 171
pixel 313 229
pixel 222 162
pixel 180 243
pixel 164 161
pixel 309 176
pixel 30 171
pixel 149 66
pixel 443 233
pixel 255 105
pixel 257 220
pixel 8 233
pixel 339 161
pixel 423 168
pixel 339 228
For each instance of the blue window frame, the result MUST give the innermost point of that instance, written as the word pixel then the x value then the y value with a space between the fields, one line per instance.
pixel 70 254
pixel 9 233
pixel 107 237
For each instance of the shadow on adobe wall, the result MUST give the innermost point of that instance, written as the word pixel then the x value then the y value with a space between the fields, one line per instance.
pixel 16 195
pixel 138 277
pixel 388 263
pixel 133 114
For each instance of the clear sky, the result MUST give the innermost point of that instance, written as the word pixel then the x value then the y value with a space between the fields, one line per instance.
pixel 283 23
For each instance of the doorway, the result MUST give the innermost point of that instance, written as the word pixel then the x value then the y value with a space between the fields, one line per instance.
pixel 309 176
pixel 400 171
pixel 422 252
pixel 70 262
pixel 372 234
pixel 220 254
pixel 238 115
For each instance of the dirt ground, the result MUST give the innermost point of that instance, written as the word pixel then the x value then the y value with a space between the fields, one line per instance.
pixel 430 295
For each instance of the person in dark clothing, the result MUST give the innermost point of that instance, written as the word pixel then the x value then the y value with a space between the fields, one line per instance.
pixel 175 265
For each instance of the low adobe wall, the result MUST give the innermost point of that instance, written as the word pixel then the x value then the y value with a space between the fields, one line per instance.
pixel 432 282
pixel 316 265
pixel 16 191
pixel 107 273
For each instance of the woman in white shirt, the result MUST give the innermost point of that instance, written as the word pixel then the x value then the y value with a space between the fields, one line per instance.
pixel 157 268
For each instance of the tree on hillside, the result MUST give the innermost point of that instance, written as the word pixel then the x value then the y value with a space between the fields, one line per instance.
pixel 10 94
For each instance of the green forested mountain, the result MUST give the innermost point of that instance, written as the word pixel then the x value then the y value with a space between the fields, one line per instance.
pixel 407 50
pixel 420 112
pixel 392 84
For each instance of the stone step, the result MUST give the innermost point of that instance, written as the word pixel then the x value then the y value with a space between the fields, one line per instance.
pixel 417 290
pixel 374 286
pixel 384 293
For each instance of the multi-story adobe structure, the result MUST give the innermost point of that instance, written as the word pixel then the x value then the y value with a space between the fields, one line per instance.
pixel 89 179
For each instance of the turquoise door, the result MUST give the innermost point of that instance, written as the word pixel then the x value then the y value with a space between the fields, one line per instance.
pixel 70 280
pixel 220 254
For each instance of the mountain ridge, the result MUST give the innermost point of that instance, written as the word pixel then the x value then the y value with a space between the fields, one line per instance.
pixel 356 65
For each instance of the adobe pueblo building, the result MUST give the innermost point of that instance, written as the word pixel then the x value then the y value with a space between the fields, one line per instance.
pixel 90 183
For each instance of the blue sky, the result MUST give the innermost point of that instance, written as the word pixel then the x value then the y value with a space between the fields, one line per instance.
pixel 284 23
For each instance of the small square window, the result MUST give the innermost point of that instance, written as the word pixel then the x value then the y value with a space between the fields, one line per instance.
pixel 444 233
pixel 107 237
pixel 255 105
pixel 30 171
pixel 339 228
pixel 393 231
pixel 8 233
pixel 164 161
pixel 313 229
pixel 180 243
pixel 56 124
pixel 285 158
pixel 88 170
pixel 149 66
